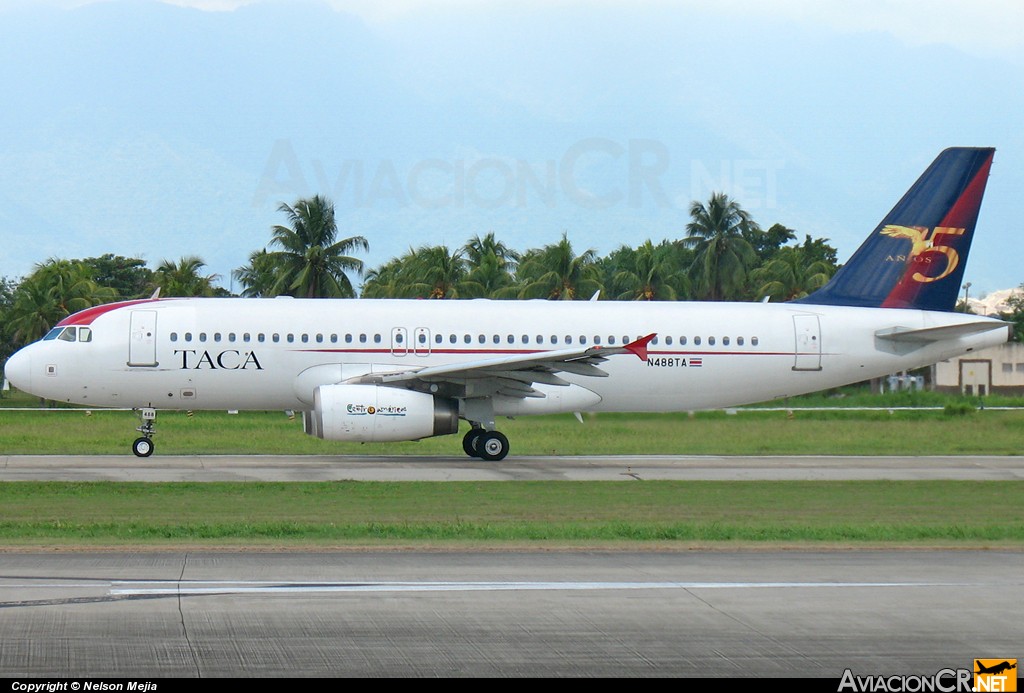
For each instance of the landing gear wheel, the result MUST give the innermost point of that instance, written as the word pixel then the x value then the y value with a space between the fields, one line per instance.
pixel 492 446
pixel 143 447
pixel 471 441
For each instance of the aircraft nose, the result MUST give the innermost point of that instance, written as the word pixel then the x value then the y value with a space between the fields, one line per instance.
pixel 18 370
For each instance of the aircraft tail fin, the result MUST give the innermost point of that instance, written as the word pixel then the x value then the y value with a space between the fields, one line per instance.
pixel 915 258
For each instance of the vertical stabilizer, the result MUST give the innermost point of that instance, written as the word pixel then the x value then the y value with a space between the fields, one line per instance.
pixel 916 257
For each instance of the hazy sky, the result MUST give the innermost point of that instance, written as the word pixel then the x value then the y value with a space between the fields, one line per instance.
pixel 167 129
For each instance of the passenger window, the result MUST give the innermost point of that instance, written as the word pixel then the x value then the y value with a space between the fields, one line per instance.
pixel 216 336
pixel 583 340
pixel 753 341
pixel 452 339
pixel 654 341
pixel 319 338
pixel 376 339
pixel 362 338
pixel 231 336
pixel 398 337
pixel 480 338
pixel 511 339
pixel 334 339
pixel 496 339
pixel 188 336
pixel 348 339
pixel 276 338
pixel 725 341
pixel 668 341
pixel 625 339
pixel 696 341
pixel 611 339
pixel 202 336
pixel 554 339
pixel 540 339
pixel 467 339
pixel 174 336
pixel 568 339
pixel 711 341
pixel 52 334
pixel 739 341
pixel 305 338
pixel 84 334
pixel 437 339
pixel 422 338
pixel 290 338
pixel 597 339
pixel 682 341
pixel 246 337
pixel 526 339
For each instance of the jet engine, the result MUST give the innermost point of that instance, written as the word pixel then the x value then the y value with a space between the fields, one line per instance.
pixel 373 414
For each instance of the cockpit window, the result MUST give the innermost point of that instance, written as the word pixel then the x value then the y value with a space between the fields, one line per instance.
pixel 68 335
pixel 52 334
pixel 84 334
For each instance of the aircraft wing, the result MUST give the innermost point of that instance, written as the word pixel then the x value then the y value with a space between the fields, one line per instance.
pixel 512 375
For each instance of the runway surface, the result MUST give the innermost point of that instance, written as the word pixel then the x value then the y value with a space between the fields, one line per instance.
pixel 414 468
pixel 507 614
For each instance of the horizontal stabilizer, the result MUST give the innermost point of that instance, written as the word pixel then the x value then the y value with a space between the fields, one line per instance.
pixel 935 334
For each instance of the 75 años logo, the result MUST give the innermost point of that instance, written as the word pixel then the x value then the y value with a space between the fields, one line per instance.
pixel 922 245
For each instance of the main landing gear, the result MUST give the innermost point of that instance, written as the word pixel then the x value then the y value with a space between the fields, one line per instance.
pixel 143 447
pixel 487 445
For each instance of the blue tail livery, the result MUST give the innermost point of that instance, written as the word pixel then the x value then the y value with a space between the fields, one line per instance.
pixel 915 258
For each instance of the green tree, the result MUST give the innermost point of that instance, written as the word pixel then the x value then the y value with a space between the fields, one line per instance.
pixel 492 265
pixel 184 278
pixel 55 289
pixel 1016 314
pixel 260 276
pixel 128 276
pixel 723 257
pixel 789 275
pixel 652 275
pixel 437 272
pixel 556 272
pixel 767 243
pixel 311 262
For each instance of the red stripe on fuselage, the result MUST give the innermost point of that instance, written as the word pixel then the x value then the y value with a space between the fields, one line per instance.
pixel 86 317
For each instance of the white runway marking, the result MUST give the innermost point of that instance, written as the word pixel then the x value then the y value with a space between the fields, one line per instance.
pixel 270 588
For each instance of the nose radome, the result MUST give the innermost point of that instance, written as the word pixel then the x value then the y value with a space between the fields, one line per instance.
pixel 18 370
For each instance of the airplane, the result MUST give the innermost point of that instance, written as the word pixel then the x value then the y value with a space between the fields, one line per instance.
pixel 996 668
pixel 389 370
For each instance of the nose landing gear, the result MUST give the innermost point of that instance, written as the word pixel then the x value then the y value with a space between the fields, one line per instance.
pixel 143 447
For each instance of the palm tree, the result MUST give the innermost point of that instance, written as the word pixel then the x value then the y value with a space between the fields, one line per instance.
pixel 723 255
pixel 259 276
pixel 56 289
pixel 789 275
pixel 491 265
pixel 183 278
pixel 653 276
pixel 311 262
pixel 437 272
pixel 556 272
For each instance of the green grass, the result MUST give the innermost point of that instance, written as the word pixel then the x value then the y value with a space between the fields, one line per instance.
pixel 705 433
pixel 971 514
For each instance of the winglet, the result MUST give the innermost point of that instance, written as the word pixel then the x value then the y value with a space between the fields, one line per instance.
pixel 639 347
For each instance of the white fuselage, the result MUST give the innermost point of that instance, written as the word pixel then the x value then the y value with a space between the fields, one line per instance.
pixel 273 353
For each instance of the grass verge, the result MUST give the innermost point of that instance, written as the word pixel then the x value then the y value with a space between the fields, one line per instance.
pixel 537 514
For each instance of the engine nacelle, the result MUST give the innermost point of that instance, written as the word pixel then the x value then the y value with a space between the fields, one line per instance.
pixel 374 414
